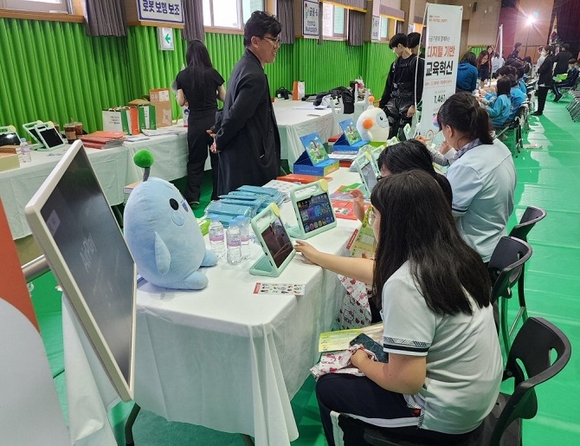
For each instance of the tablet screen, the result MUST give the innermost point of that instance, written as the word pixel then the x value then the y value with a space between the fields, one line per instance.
pixel 315 212
pixel 277 241
pixel 51 137
pixel 368 173
pixel 73 223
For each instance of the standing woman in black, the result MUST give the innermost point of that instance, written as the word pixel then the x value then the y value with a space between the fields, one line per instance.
pixel 483 68
pixel 199 85
pixel 544 80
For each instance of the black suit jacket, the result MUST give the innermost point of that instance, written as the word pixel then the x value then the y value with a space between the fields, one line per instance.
pixel 248 138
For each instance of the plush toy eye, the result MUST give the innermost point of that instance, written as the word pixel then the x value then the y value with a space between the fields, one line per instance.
pixel 174 204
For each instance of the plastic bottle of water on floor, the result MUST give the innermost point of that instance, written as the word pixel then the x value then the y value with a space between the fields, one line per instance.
pixel 244 225
pixel 216 236
pixel 234 243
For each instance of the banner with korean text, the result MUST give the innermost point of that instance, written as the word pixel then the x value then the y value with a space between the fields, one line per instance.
pixel 441 59
pixel 156 11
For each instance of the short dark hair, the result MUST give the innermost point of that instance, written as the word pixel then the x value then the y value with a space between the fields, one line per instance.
pixel 413 39
pixel 507 70
pixel 462 112
pixel 259 24
pixel 566 47
pixel 397 39
pixel 504 86
pixel 518 44
pixel 412 154
pixel 417 226
pixel 470 58
pixel 572 61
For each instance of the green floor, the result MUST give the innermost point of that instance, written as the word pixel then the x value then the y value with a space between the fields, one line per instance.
pixel 548 177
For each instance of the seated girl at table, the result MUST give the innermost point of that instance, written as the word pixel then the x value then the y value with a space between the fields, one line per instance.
pixel 445 365
pixel 401 157
pixel 500 108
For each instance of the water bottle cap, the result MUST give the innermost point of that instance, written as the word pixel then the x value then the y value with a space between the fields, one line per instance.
pixel 212 217
pixel 22 140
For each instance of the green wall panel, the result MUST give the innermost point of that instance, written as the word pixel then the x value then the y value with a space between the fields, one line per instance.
pixel 150 67
pixel 53 71
pixel 326 66
pixel 377 60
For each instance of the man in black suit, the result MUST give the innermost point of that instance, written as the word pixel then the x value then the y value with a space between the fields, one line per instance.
pixel 247 138
pixel 562 59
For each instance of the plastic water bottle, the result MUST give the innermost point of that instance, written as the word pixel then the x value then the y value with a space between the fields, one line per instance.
pixel 216 236
pixel 244 226
pixel 25 155
pixel 185 109
pixel 234 243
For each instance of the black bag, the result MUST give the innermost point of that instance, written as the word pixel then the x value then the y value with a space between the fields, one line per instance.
pixel 283 93
pixel 339 92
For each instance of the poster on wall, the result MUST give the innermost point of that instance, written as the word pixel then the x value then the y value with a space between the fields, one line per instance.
pixel 376 28
pixel 441 57
pixel 311 19
pixel 169 11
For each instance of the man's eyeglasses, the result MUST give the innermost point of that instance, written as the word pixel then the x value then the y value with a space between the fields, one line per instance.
pixel 275 40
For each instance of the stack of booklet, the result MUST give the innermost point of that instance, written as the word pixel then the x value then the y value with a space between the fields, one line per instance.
pixel 332 341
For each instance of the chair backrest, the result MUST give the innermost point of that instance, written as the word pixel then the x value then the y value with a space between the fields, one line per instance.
pixel 532 349
pixel 506 264
pixel 531 216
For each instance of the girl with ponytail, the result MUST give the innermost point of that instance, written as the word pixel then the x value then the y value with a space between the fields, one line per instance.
pixel 482 173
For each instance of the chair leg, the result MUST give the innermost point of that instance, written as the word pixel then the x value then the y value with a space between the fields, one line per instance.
pixel 523 311
pixel 129 425
pixel 503 323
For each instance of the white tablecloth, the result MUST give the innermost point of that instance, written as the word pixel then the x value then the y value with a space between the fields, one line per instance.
pixel 17 186
pixel 169 152
pixel 299 118
pixel 231 360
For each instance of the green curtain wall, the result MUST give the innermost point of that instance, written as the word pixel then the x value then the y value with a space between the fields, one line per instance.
pixel 54 71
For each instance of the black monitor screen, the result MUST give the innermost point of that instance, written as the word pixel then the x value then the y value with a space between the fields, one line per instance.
pixel 315 212
pixel 92 246
pixel 51 137
pixel 277 241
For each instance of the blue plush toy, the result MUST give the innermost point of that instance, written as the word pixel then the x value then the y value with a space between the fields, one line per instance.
pixel 163 235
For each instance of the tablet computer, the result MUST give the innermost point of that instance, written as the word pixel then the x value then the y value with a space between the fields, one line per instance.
pixel 50 138
pixel 366 166
pixel 275 242
pixel 74 226
pixel 34 138
pixel 313 209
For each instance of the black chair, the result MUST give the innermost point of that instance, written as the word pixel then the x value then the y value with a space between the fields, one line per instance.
pixel 506 266
pixel 529 364
pixel 515 126
pixel 531 216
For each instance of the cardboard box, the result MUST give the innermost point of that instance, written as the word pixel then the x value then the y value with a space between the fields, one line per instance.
pixel 115 121
pixel 138 102
pixel 161 100
pixel 9 161
pixel 9 149
pixel 147 118
pixel 304 166
pixel 342 145
pixel 121 119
